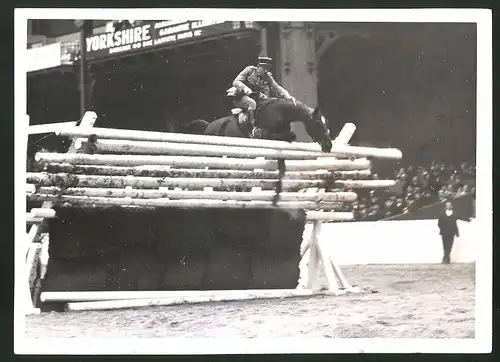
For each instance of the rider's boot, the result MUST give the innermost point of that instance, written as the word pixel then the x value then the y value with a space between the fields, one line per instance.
pixel 256 132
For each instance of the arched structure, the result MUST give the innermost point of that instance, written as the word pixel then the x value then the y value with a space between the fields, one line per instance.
pixel 410 86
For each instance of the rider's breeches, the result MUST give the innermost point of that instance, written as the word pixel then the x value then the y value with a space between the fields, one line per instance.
pixel 246 103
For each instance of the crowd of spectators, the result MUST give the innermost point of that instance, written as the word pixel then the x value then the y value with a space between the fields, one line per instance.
pixel 416 187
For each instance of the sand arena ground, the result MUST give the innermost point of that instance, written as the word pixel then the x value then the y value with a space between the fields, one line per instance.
pixel 412 301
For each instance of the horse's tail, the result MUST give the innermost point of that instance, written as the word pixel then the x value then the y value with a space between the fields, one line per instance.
pixel 279 184
pixel 198 126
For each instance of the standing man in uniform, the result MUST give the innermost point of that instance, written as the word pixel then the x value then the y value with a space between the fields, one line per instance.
pixel 448 229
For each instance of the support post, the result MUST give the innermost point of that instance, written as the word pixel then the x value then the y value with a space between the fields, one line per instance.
pixel 312 273
pixel 297 67
pixel 83 73
pixel 85 29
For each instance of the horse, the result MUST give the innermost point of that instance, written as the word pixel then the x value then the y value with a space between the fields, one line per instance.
pixel 274 116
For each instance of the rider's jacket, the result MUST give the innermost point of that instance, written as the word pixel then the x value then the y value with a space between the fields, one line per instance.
pixel 250 78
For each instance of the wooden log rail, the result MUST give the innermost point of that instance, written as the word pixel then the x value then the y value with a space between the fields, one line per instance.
pixel 167 171
pixel 142 169
pixel 200 195
pixel 106 146
pixel 67 180
pixel 330 164
pixel 89 201
pixel 132 135
pixel 187 149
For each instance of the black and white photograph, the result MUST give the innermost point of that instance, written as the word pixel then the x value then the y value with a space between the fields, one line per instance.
pixel 241 181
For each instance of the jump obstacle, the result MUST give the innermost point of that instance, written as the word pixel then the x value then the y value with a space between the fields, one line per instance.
pixel 142 169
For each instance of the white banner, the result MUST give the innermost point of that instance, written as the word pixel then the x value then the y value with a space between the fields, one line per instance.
pixel 44 57
pixel 395 242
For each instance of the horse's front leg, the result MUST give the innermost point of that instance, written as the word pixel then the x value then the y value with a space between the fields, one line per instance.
pixel 287 136
pixel 315 127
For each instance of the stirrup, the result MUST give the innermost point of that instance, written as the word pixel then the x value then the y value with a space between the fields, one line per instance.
pixel 256 132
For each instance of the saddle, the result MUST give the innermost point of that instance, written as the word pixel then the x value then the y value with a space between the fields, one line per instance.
pixel 244 123
pixel 242 116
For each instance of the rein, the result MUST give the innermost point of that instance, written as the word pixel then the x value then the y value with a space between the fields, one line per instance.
pixel 263 104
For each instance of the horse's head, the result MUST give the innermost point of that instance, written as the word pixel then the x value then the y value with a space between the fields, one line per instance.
pixel 275 115
pixel 319 131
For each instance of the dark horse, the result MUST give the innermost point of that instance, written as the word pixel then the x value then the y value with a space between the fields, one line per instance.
pixel 274 117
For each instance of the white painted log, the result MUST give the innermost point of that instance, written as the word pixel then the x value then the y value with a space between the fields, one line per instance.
pixel 329 216
pixel 186 149
pixel 86 125
pixel 345 134
pixel 33 233
pixel 340 196
pixel 132 135
pixel 339 149
pixel 214 296
pixel 82 201
pixel 44 254
pixel 30 188
pixel 365 184
pixel 35 229
pixel 202 162
pixel 50 127
pixel 135 135
pixel 31 219
pixel 156 182
pixel 167 171
pixel 96 296
pixel 43 212
pixel 88 120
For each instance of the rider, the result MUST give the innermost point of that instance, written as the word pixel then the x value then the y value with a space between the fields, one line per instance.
pixel 256 79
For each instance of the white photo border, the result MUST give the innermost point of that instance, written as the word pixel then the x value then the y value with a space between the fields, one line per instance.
pixel 482 343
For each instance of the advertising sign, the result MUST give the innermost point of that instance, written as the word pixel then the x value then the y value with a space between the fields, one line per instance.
pixel 47 56
pixel 150 34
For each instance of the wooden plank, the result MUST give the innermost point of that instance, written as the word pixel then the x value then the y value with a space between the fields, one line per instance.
pixel 96 296
pixel 199 297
